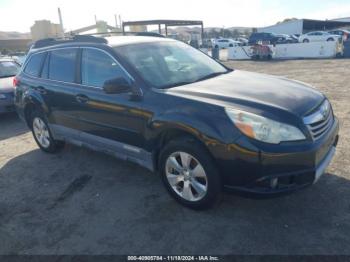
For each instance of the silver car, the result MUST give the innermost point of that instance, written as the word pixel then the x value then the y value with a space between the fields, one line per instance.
pixel 8 69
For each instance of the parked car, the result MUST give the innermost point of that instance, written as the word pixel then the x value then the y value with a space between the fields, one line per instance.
pixel 19 59
pixel 263 37
pixel 317 36
pixel 224 43
pixel 286 39
pixel 8 69
pixel 242 40
pixel 176 111
pixel 345 34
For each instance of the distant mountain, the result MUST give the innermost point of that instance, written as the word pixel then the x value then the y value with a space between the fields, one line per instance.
pixel 240 28
pixel 14 35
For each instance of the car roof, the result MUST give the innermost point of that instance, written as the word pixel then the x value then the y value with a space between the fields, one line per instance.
pixel 335 30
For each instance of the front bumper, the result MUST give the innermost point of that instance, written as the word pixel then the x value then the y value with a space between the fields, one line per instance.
pixel 296 166
pixel 7 103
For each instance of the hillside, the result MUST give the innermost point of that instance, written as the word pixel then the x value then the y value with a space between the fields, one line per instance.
pixel 14 35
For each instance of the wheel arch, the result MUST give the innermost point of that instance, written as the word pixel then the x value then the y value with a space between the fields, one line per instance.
pixel 32 103
pixel 176 132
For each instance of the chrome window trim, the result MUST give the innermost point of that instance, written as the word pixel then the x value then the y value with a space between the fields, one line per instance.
pixel 71 83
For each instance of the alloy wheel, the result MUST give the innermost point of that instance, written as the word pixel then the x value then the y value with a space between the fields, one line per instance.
pixel 186 176
pixel 41 132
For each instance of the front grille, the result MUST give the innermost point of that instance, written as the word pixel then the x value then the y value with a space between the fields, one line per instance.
pixel 320 121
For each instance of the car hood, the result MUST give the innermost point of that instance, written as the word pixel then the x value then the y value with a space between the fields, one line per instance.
pixel 247 89
pixel 6 85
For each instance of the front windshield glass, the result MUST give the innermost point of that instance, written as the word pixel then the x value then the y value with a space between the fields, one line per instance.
pixel 8 68
pixel 168 64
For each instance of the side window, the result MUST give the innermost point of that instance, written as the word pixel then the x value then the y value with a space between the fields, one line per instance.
pixel 98 67
pixel 62 64
pixel 33 66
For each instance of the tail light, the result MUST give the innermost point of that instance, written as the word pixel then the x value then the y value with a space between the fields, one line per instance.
pixel 15 82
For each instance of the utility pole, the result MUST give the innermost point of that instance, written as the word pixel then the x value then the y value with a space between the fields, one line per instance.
pixel 116 21
pixel 61 22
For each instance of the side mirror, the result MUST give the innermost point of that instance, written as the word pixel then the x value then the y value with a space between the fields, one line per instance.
pixel 116 86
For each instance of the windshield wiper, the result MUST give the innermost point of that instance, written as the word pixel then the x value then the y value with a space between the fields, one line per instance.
pixel 197 80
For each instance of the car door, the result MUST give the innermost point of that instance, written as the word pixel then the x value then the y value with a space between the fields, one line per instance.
pixel 107 118
pixel 32 83
pixel 319 36
pixel 310 36
pixel 59 84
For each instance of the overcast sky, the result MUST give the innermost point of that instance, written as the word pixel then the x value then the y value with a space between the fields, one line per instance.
pixel 19 15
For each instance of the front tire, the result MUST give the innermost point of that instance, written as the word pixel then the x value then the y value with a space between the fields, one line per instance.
pixel 306 41
pixel 330 39
pixel 189 174
pixel 42 134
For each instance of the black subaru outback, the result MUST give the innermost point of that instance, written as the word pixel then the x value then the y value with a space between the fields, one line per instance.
pixel 174 110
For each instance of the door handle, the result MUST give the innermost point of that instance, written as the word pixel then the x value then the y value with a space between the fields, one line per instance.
pixel 41 90
pixel 82 98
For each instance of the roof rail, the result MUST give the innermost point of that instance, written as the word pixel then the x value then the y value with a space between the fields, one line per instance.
pixel 90 39
pixel 76 38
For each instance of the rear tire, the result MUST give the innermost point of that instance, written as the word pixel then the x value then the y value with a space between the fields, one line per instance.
pixel 195 184
pixel 330 39
pixel 42 134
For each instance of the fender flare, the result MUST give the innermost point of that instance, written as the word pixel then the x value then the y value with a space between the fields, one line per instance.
pixel 31 99
pixel 181 122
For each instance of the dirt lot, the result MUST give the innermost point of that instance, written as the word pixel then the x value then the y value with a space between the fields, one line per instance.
pixel 81 202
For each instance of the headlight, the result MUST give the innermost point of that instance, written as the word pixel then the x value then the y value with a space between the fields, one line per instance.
pixel 2 96
pixel 262 128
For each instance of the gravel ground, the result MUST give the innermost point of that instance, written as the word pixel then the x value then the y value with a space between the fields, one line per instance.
pixel 82 202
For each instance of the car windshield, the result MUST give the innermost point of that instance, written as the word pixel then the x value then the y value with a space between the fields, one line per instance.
pixel 166 64
pixel 8 68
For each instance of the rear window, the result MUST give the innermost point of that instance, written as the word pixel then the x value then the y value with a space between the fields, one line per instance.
pixel 33 66
pixel 62 65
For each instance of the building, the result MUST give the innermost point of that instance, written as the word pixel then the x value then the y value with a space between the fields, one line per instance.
pixel 301 26
pixel 45 29
pixel 99 27
pixel 14 45
pixel 138 28
pixel 14 41
pixel 343 19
